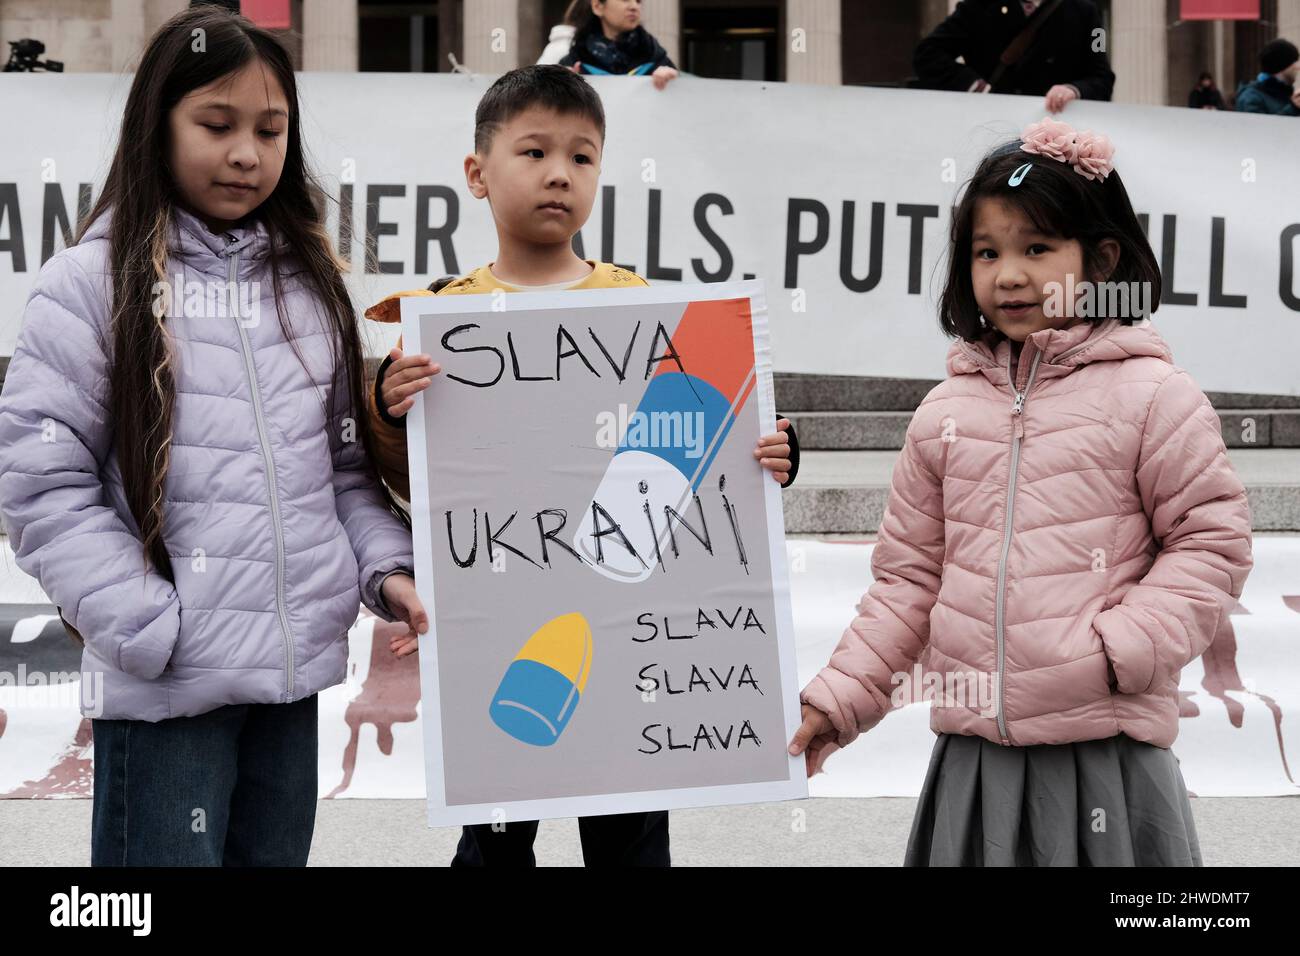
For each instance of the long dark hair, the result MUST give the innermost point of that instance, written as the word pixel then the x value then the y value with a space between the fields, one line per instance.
pixel 1059 202
pixel 141 192
pixel 573 11
pixel 585 22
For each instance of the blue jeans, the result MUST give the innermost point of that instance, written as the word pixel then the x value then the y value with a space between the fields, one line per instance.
pixel 233 787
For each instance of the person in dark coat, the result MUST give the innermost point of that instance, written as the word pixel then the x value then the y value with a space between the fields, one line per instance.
pixel 1273 91
pixel 1065 61
pixel 1205 95
pixel 612 40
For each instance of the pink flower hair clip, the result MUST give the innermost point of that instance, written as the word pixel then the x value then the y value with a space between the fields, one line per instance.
pixel 1091 154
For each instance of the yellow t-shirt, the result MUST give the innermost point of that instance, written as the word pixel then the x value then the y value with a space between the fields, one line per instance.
pixel 603 275
pixel 390 441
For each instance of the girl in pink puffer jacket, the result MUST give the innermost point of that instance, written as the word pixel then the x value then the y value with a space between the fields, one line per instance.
pixel 1064 533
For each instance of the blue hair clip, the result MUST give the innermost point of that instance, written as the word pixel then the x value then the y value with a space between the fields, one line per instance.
pixel 1019 175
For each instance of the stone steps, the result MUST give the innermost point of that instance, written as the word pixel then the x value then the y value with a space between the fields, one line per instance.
pixel 854 393
pixel 884 429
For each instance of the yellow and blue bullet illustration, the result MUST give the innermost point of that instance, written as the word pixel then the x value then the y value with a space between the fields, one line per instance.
pixel 542 686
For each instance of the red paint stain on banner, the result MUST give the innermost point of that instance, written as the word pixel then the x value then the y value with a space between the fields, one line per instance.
pixel 1221 676
pixel 71 776
pixel 389 695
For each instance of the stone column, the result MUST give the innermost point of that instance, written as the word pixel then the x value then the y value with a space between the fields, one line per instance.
pixel 491 36
pixel 1139 52
pixel 663 20
pixel 1288 20
pixel 127 24
pixel 330 35
pixel 817 57
pixel 158 12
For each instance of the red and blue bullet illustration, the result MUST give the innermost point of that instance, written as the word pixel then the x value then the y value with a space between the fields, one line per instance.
pixel 714 340
pixel 543 684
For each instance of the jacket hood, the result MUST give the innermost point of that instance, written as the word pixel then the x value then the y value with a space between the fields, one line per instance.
pixel 1063 350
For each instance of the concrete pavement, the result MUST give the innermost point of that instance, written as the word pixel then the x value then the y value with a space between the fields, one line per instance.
pixel 1233 831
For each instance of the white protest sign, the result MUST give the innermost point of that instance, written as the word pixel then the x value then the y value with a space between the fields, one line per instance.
pixel 601 554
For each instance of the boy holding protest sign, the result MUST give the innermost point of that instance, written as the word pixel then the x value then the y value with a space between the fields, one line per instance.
pixel 538 137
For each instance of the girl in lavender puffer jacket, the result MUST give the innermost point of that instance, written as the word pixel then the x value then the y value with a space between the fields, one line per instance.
pixel 1064 533
pixel 184 461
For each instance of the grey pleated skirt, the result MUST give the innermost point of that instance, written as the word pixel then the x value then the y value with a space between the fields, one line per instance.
pixel 1111 802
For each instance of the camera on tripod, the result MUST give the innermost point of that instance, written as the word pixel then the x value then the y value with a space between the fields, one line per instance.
pixel 24 57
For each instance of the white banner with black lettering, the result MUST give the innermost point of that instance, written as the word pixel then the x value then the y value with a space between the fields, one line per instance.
pixel 838 197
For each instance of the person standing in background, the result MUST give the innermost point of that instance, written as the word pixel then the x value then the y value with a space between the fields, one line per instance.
pixel 561 38
pixel 1047 48
pixel 1205 95
pixel 1273 91
pixel 612 40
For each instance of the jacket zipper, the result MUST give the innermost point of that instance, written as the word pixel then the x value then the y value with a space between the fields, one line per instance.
pixel 232 280
pixel 1018 432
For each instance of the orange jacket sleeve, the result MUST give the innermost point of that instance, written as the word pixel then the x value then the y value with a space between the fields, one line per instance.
pixel 390 446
